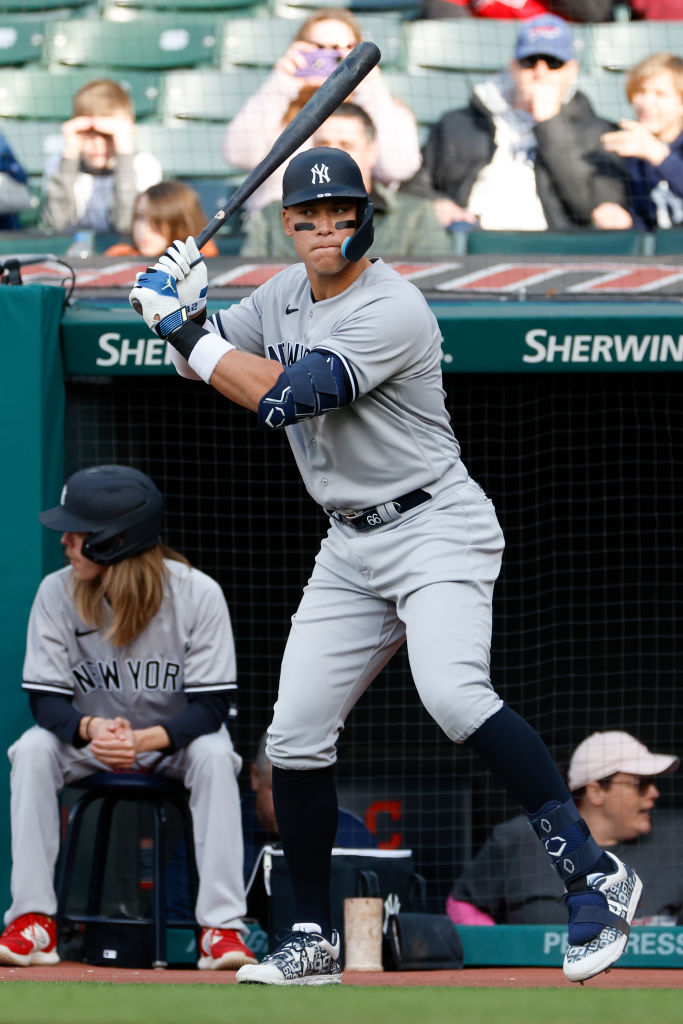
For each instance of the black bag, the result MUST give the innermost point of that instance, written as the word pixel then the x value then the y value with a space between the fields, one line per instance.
pixel 385 873
pixel 129 943
pixel 421 942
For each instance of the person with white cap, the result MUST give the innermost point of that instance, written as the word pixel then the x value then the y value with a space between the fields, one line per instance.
pixel 526 154
pixel 613 779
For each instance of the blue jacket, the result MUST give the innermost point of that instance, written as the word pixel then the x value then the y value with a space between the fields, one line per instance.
pixel 656 193
pixel 10 166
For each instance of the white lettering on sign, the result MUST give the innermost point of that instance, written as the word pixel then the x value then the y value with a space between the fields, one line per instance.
pixel 601 348
pixel 118 351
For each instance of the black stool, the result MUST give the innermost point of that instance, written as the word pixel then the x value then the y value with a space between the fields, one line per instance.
pixel 110 788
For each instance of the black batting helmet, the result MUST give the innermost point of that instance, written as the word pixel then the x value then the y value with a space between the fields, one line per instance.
pixel 324 172
pixel 118 507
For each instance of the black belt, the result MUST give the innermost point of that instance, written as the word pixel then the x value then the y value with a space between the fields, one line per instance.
pixel 368 518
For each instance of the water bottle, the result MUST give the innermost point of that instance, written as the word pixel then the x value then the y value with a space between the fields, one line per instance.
pixel 82 246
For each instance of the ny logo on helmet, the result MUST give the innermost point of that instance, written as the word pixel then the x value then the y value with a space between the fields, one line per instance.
pixel 319 174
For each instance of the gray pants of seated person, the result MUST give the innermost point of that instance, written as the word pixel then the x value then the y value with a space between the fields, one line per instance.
pixel 209 766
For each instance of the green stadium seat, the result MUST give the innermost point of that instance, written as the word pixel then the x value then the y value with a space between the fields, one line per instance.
pixel 185 6
pixel 607 93
pixel 187 149
pixel 617 46
pixel 158 43
pixel 431 93
pixel 40 94
pixel 21 39
pixel 207 94
pixel 255 42
pixel 481 45
pixel 478 44
pixel 26 6
pixel 404 8
pixel 30 141
pixel 583 242
pixel 260 42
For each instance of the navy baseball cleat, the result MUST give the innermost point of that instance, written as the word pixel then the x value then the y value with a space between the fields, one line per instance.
pixel 600 918
pixel 303 957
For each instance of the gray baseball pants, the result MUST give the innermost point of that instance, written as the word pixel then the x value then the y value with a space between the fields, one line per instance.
pixel 208 767
pixel 426 578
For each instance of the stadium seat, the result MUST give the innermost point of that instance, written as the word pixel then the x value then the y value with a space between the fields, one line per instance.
pixel 150 43
pixel 260 42
pixel 431 93
pixel 207 94
pixel 480 45
pixel 25 6
pixel 607 93
pixel 405 8
pixel 460 45
pixel 583 242
pixel 21 39
pixel 40 94
pixel 30 140
pixel 617 46
pixel 186 6
pixel 187 149
pixel 255 42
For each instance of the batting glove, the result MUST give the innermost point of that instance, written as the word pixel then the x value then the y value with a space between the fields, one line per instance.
pixel 155 298
pixel 192 281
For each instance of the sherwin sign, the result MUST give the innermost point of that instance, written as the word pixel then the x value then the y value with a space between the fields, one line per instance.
pixel 478 337
pixel 543 345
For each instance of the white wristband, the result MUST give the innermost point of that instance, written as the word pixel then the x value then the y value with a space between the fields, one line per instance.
pixel 207 353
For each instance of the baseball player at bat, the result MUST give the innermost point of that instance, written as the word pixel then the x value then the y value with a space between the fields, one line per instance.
pixel 345 356
pixel 130 663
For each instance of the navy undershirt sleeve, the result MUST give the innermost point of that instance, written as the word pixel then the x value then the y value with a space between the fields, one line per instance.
pixel 204 713
pixel 56 713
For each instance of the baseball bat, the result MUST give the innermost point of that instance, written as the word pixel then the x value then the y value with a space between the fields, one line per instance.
pixel 334 90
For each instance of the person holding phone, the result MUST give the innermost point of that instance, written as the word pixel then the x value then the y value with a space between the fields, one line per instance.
pixel 324 39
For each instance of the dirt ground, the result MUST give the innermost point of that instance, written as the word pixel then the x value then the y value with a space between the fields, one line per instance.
pixel 482 977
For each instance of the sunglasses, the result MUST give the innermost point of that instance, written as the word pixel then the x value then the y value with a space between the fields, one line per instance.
pixel 642 784
pixel 553 63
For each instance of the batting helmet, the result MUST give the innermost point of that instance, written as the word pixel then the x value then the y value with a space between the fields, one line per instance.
pixel 118 507
pixel 324 172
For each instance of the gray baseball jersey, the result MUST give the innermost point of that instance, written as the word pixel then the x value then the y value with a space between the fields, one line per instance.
pixel 395 436
pixel 187 648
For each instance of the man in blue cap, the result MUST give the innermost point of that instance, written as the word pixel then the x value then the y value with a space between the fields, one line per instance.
pixel 526 153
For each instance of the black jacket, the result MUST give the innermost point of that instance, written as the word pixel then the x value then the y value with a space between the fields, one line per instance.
pixel 574 174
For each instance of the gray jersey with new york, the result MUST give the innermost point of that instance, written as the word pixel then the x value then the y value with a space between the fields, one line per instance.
pixel 395 435
pixel 186 649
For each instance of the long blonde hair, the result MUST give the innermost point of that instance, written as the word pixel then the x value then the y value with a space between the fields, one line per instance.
pixel 129 594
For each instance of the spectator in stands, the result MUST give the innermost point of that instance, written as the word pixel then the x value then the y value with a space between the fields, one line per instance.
pixel 652 145
pixel 613 779
pixel 526 153
pixel 93 184
pixel 14 191
pixel 328 33
pixel 571 10
pixel 162 213
pixel 404 225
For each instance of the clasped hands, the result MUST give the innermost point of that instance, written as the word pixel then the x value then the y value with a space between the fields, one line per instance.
pixel 114 742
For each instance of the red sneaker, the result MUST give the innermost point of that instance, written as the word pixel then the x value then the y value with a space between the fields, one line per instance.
pixel 223 950
pixel 29 940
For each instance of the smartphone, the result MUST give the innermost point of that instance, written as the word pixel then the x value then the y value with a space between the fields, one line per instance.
pixel 319 63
